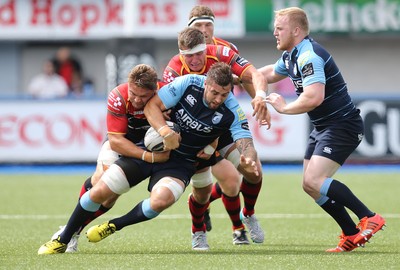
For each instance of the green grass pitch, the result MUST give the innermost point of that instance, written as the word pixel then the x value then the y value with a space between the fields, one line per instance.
pixel 297 230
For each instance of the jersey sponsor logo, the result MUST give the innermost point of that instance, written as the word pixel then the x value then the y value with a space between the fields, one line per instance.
pixel 225 51
pixel 327 150
pixel 185 121
pixel 245 126
pixel 241 61
pixel 216 118
pixel 171 90
pixel 114 102
pixel 135 113
pixel 191 100
pixel 303 58
pixel 307 70
pixel 241 114
pixel 298 84
pixel 168 77
pixel 117 102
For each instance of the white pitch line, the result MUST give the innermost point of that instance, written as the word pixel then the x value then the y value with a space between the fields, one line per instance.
pixel 187 216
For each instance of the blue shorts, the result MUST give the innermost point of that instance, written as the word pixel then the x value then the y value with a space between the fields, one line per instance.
pixel 137 170
pixel 336 142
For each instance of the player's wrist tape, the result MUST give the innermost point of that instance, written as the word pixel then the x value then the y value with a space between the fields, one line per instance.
pixel 209 150
pixel 261 93
pixel 161 128
pixel 169 134
pixel 144 155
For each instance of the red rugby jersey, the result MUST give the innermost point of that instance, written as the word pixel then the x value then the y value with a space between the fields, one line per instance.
pixel 215 53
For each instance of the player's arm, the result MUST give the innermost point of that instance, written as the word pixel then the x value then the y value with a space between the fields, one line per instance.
pixel 208 151
pixel 270 75
pixel 248 157
pixel 258 92
pixel 313 95
pixel 127 148
pixel 154 114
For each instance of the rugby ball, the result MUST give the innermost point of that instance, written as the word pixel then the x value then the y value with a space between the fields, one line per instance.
pixel 154 141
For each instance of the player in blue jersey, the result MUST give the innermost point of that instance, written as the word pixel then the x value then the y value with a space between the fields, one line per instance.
pixel 203 115
pixel 338 127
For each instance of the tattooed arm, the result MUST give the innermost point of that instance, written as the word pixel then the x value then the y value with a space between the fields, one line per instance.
pixel 250 165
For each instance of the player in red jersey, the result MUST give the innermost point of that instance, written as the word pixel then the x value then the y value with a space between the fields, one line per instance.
pixel 126 126
pixel 202 18
pixel 197 57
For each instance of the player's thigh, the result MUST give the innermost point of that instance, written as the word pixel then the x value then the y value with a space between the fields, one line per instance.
pixel 227 175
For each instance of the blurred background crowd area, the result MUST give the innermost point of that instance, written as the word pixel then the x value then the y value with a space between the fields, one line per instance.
pixel 107 37
pixel 56 52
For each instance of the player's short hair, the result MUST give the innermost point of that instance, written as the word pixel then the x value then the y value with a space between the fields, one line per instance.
pixel 190 37
pixel 143 76
pixel 201 11
pixel 221 74
pixel 297 17
pixel 201 14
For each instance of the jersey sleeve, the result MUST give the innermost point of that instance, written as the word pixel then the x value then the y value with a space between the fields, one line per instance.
pixel 171 93
pixel 311 67
pixel 172 70
pixel 280 68
pixel 117 121
pixel 238 64
pixel 240 126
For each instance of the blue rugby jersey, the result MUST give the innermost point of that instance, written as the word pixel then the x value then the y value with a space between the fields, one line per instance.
pixel 310 63
pixel 200 125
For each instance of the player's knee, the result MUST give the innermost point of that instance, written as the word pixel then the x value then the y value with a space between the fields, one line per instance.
pixel 165 193
pixel 109 203
pixel 202 179
pixel 116 180
pixel 106 156
pixel 310 184
pixel 230 185
pixel 202 195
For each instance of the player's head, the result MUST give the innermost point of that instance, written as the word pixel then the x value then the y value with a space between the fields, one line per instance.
pixel 202 18
pixel 192 47
pixel 290 27
pixel 218 85
pixel 142 85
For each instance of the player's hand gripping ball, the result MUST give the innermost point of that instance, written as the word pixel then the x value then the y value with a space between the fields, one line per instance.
pixel 154 141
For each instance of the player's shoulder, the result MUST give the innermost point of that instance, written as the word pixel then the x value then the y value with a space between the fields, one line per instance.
pixel 223 42
pixel 117 98
pixel 161 84
pixel 191 80
pixel 120 90
pixel 311 51
pixel 174 64
pixel 175 60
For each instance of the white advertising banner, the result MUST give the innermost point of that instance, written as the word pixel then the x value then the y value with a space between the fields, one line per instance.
pixel 73 131
pixel 102 19
pixel 286 139
pixel 53 131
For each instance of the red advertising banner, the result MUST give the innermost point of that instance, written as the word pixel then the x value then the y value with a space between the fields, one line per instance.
pixel 102 19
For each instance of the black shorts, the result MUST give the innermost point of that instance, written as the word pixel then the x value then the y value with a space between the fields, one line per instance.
pixel 224 140
pixel 137 170
pixel 336 142
pixel 214 159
